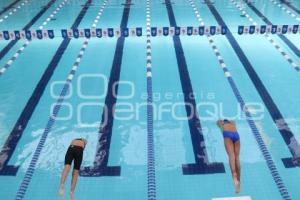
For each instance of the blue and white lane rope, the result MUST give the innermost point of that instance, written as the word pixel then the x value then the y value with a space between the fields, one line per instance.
pixel 282 7
pixel 278 48
pixel 262 146
pixel 29 172
pixel 23 47
pixel 150 137
pixel 14 10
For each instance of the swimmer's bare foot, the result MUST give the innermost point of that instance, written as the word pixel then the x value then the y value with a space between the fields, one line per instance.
pixel 71 195
pixel 237 186
pixel 61 191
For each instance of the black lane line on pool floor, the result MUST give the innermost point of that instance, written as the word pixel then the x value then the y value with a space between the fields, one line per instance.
pixel 9 7
pixel 275 113
pixel 12 43
pixel 200 154
pixel 17 132
pixel 101 167
pixel 290 5
pixel 267 21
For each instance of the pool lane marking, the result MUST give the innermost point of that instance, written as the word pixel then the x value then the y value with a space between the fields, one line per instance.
pixel 100 166
pixel 150 138
pixel 271 106
pixel 9 7
pixel 202 164
pixel 13 11
pixel 280 5
pixel 262 146
pixel 17 131
pixel 23 47
pixel 293 47
pixel 30 170
pixel 290 5
pixel 285 55
pixel 10 45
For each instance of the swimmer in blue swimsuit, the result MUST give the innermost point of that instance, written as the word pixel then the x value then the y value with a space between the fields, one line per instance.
pixel 232 145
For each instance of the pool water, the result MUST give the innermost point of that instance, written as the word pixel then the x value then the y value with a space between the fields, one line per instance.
pixel 165 147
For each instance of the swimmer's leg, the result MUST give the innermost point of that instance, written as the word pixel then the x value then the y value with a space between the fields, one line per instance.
pixel 63 179
pixel 77 163
pixel 74 181
pixel 229 146
pixel 237 145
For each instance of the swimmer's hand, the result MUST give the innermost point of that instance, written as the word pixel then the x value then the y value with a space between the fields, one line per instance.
pixel 220 123
pixel 61 191
pixel 85 142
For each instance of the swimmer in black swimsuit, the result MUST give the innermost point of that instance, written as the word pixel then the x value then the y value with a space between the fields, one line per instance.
pixel 74 152
pixel 232 146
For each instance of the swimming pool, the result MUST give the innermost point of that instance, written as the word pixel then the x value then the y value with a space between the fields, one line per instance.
pixel 162 141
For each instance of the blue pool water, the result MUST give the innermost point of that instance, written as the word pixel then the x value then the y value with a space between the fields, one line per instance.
pixel 139 154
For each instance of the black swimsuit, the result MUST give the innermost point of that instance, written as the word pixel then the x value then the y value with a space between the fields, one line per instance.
pixel 74 153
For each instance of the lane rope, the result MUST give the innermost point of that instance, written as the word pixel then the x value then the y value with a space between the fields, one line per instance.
pixel 150 138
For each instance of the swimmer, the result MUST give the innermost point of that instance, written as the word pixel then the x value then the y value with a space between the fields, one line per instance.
pixel 74 152
pixel 232 146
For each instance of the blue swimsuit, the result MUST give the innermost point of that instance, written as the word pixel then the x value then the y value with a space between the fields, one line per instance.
pixel 234 136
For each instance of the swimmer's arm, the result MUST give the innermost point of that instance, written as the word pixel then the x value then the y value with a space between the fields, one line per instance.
pixel 220 124
pixel 85 141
